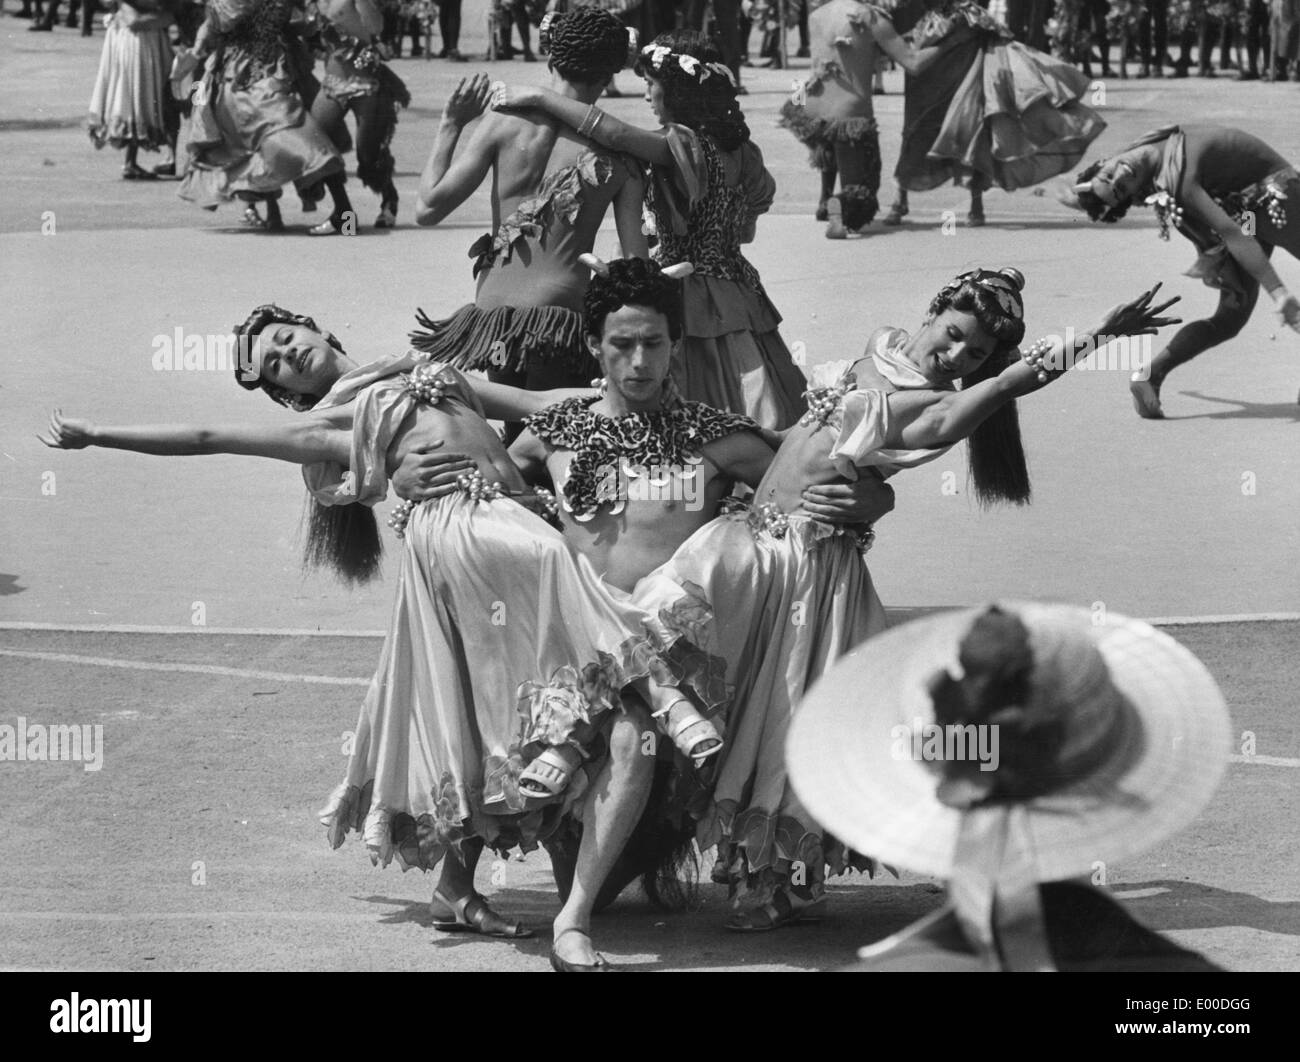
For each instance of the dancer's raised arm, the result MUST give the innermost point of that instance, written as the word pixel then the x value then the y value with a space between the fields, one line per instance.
pixel 649 145
pixel 445 184
pixel 302 441
pixel 926 424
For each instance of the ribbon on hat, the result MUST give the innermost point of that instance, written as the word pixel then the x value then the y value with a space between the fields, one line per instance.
pixel 994 888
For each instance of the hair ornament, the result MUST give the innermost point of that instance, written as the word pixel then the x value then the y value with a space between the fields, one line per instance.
pixel 595 264
pixel 678 271
pixel 544 30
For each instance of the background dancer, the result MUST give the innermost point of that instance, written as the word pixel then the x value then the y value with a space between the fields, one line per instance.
pixel 358 80
pixel 707 189
pixel 550 191
pixel 249 133
pixel 131 105
pixel 1229 193
pixel 833 115
pixel 981 108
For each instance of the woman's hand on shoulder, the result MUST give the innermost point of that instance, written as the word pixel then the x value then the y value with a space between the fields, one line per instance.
pixel 503 97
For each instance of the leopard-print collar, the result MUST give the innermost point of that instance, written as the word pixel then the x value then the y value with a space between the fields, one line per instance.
pixel 671 438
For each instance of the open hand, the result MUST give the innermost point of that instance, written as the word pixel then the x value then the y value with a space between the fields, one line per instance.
pixel 1137 318
pixel 469 99
pixel 65 433
pixel 424 474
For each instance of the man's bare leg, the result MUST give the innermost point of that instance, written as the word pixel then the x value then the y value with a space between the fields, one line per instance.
pixel 612 811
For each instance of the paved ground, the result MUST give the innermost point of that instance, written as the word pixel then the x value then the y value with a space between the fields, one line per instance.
pixel 1196 516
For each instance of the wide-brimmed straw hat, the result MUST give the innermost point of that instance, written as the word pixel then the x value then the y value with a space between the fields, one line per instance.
pixel 1127 738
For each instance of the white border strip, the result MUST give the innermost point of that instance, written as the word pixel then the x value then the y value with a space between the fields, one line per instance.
pixel 197 669
pixel 137 628
pixel 307 632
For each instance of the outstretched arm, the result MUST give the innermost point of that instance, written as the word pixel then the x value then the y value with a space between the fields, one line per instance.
pixel 1245 249
pixel 303 441
pixel 957 414
pixel 649 145
pixel 445 184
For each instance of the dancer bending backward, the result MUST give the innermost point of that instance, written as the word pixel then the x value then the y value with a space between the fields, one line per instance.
pixel 708 185
pixel 358 80
pixel 550 192
pixel 803 588
pixel 249 133
pixel 442 740
pixel 980 107
pixel 1225 190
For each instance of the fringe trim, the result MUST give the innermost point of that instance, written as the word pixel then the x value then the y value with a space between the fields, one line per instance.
pixel 820 135
pixel 506 337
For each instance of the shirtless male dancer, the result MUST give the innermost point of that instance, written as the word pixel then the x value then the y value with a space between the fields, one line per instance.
pixel 550 191
pixel 633 316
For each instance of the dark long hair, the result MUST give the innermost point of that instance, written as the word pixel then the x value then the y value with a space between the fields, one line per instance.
pixel 708 105
pixel 344 538
pixel 998 471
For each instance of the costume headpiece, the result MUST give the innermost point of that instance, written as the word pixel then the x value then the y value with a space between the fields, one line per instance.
pixel 998 284
pixel 601 267
pixel 656 57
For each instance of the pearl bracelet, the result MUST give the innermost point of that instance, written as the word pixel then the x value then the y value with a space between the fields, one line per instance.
pixel 1034 357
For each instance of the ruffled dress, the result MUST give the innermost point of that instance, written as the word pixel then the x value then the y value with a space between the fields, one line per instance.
pixel 796 595
pixel 249 131
pixel 517 323
pixel 702 208
pixel 990 106
pixel 131 98
pixel 501 641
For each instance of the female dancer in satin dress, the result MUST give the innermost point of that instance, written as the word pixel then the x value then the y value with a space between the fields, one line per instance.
pixel 442 740
pixel 802 586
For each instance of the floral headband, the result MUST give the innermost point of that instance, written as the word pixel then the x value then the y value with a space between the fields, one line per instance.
pixel 996 284
pixel 655 55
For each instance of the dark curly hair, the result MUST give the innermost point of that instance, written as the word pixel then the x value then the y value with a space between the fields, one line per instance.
pixel 1091 202
pixel 997 458
pixel 246 335
pixel 709 105
pixel 632 282
pixel 342 537
pixel 588 45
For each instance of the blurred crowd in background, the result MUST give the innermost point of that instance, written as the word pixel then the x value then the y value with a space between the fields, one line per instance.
pixel 1247 39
